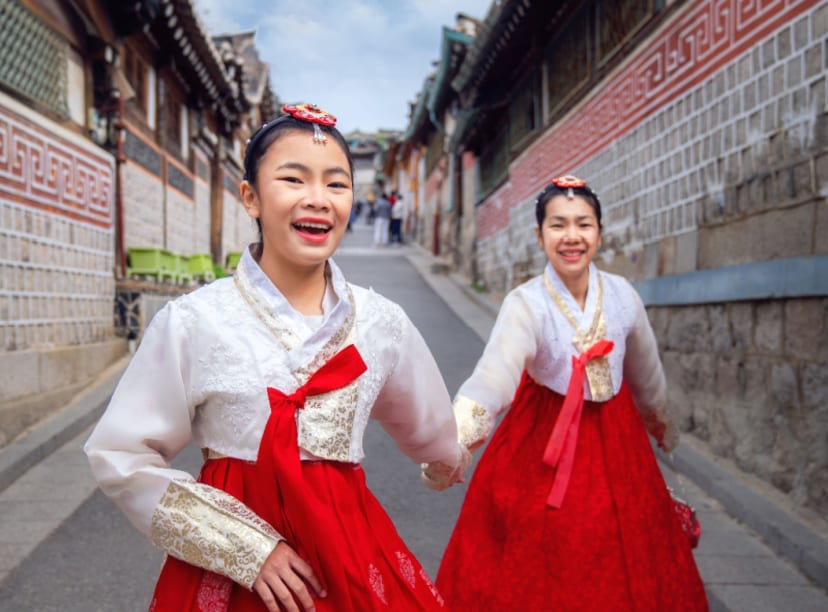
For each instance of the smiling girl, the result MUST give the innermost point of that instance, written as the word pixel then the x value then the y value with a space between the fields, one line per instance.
pixel 567 509
pixel 274 373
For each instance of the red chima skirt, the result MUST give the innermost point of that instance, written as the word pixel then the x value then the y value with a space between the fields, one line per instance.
pixel 346 537
pixel 323 509
pixel 614 544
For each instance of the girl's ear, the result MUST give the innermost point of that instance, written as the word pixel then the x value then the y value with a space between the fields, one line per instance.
pixel 539 236
pixel 250 200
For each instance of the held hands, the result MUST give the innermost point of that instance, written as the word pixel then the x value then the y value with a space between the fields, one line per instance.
pixel 440 476
pixel 283 580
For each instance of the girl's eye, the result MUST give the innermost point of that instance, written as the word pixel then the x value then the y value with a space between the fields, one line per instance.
pixel 338 186
pixel 291 179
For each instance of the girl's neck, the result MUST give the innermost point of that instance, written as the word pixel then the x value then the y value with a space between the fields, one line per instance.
pixel 303 288
pixel 578 287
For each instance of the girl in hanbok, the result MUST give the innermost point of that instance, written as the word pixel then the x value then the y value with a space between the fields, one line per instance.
pixel 274 374
pixel 567 508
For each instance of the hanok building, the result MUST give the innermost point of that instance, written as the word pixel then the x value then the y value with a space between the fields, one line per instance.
pixel 434 187
pixel 121 131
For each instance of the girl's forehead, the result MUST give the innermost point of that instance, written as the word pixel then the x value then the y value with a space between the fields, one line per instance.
pixel 561 206
pixel 299 146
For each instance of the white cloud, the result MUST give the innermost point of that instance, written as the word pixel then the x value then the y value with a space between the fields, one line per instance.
pixel 362 60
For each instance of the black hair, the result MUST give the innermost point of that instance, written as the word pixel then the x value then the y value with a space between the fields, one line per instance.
pixel 271 131
pixel 551 190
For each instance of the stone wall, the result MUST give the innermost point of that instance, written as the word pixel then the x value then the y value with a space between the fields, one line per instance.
pixel 56 265
pixel 751 379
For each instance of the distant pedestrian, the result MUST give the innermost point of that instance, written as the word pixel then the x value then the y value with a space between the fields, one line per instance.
pixel 382 210
pixel 399 212
pixel 567 509
pixel 270 374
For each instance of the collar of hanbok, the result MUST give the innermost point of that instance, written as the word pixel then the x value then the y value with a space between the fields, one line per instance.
pixel 583 317
pixel 306 345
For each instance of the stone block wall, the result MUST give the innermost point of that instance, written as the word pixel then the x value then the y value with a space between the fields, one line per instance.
pixel 181 223
pixel 751 379
pixel 143 205
pixel 56 265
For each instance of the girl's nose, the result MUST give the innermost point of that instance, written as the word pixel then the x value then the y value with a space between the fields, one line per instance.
pixel 316 196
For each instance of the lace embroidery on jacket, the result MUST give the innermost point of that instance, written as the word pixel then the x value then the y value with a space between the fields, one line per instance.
pixel 325 425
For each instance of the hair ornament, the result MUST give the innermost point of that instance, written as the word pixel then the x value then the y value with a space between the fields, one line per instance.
pixel 312 114
pixel 568 182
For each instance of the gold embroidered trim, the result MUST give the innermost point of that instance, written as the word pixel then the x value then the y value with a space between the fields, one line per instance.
pixel 598 372
pixel 209 528
pixel 325 425
pixel 474 423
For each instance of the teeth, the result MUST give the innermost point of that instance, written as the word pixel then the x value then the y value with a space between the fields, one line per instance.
pixel 321 226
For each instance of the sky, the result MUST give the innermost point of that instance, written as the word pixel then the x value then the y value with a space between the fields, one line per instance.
pixel 361 60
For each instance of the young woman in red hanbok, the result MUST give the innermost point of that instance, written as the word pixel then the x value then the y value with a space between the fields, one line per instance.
pixel 274 373
pixel 567 508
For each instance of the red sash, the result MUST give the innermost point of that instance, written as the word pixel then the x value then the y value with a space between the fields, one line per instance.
pixel 560 450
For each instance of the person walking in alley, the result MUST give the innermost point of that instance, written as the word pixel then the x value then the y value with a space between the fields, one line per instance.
pixel 398 214
pixel 567 509
pixel 274 373
pixel 382 221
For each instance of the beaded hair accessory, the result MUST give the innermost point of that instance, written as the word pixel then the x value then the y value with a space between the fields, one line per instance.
pixel 308 113
pixel 569 183
pixel 312 114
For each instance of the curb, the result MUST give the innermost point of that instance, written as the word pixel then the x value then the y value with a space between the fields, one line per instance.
pixel 56 430
pixel 781 530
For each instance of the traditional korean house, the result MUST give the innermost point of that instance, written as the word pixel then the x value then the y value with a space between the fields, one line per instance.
pixel 424 156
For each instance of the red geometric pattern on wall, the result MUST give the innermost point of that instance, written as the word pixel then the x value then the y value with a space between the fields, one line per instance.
pixel 40 169
pixel 700 40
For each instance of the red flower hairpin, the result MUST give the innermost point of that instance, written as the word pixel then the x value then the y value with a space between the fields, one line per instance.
pixel 568 182
pixel 312 114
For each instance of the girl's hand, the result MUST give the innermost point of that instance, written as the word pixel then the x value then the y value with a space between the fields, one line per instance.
pixel 283 580
pixel 439 476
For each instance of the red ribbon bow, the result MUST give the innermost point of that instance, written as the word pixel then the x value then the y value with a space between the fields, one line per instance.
pixel 279 446
pixel 560 450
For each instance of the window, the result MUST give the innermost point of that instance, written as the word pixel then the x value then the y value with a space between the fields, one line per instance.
pixel 568 61
pixel 135 70
pixel 617 22
pixel 494 161
pixel 524 109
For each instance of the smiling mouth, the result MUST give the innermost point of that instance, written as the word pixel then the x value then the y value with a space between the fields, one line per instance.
pixel 312 228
